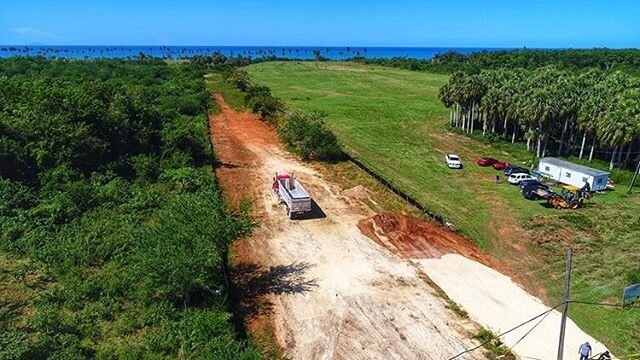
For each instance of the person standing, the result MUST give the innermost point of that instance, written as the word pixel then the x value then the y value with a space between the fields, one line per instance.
pixel 585 351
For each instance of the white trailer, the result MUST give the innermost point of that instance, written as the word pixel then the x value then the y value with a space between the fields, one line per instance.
pixel 573 174
pixel 291 192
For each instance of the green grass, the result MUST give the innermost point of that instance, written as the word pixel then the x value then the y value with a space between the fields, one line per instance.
pixel 392 121
pixel 216 84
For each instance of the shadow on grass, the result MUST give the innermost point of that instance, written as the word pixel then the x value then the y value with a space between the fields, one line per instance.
pixel 254 282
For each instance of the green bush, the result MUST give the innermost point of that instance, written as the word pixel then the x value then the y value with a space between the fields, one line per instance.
pixel 187 179
pixel 308 134
pixel 14 345
pixel 240 79
pixel 260 100
pixel 105 194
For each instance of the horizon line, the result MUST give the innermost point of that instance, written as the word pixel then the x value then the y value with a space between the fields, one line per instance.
pixel 339 46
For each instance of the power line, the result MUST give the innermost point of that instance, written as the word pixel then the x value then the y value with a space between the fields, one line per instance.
pixel 530 330
pixel 543 315
pixel 603 304
pixel 508 331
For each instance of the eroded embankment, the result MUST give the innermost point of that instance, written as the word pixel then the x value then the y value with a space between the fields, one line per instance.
pixel 416 238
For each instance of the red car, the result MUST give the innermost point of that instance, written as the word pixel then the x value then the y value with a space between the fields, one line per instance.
pixel 486 161
pixel 500 165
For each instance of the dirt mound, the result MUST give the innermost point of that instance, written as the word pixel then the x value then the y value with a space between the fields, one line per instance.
pixel 417 238
pixel 357 192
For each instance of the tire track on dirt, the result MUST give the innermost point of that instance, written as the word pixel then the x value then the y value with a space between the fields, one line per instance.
pixel 328 291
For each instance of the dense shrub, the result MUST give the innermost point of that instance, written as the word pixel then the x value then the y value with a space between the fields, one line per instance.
pixel 308 134
pixel 104 189
pixel 260 100
pixel 239 79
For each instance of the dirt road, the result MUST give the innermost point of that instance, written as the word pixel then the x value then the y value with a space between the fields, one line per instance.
pixel 330 291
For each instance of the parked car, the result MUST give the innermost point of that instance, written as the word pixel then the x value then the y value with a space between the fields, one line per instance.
pixel 500 165
pixel 453 161
pixel 525 183
pixel 515 170
pixel 515 178
pixel 486 161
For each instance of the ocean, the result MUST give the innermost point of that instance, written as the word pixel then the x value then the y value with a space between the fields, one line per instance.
pixel 177 52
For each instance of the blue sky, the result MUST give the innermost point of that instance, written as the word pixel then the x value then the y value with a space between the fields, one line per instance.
pixel 497 23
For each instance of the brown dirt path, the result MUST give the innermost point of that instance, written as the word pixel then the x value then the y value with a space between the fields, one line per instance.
pixel 328 291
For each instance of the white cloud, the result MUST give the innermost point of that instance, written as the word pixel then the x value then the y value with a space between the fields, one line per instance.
pixel 33 32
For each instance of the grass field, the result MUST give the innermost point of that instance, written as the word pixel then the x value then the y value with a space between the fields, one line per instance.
pixel 392 121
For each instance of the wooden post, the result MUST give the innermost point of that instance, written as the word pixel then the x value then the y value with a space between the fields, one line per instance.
pixel 563 323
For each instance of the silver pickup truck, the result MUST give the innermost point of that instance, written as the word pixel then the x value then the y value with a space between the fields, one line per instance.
pixel 291 192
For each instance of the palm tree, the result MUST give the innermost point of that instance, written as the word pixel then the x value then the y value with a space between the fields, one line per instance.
pixel 475 90
pixel 588 109
pixel 568 103
pixel 445 97
pixel 618 129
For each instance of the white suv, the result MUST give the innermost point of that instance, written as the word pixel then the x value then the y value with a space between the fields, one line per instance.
pixel 517 177
pixel 453 161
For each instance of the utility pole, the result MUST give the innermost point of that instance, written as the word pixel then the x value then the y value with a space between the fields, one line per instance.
pixel 563 323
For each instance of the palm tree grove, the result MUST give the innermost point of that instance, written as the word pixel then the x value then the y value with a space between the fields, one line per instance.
pixel 588 114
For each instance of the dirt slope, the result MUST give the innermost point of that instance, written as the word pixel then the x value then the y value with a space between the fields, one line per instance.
pixel 330 292
pixel 495 301
pixel 469 278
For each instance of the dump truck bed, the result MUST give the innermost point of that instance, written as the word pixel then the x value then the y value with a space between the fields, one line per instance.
pixel 293 194
pixel 298 192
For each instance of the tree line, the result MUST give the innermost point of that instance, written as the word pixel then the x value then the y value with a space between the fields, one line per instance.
pixel 589 114
pixel 626 60
pixel 111 215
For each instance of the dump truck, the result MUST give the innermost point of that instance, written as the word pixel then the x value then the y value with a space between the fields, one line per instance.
pixel 290 191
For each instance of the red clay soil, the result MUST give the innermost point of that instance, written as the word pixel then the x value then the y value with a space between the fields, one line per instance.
pixel 416 238
pixel 232 134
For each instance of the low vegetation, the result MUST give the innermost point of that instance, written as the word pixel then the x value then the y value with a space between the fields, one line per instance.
pixel 402 133
pixel 305 132
pixel 308 134
pixel 495 348
pixel 113 234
